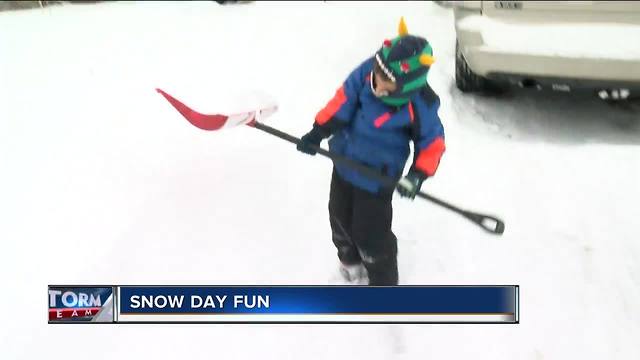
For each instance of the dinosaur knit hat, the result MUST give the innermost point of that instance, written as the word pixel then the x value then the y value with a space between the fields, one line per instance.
pixel 404 60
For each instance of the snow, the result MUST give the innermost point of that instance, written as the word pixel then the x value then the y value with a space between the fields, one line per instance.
pixel 103 182
pixel 571 40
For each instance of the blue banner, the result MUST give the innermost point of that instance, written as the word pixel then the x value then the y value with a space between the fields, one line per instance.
pixel 318 300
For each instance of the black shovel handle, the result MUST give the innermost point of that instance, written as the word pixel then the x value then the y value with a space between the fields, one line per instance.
pixel 489 223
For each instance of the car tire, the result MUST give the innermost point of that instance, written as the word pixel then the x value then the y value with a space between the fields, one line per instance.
pixel 466 79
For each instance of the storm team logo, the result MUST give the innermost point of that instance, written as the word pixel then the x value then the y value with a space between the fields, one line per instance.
pixel 80 304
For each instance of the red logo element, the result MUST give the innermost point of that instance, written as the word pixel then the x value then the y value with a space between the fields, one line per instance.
pixel 387 43
pixel 70 313
pixel 405 67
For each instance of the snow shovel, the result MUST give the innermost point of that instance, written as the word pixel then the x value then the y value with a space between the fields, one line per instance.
pixel 251 118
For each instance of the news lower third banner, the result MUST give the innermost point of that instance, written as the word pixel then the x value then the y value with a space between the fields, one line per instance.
pixel 284 304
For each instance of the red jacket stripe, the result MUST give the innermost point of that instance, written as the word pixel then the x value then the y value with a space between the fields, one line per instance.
pixel 332 107
pixel 429 158
pixel 381 119
pixel 411 112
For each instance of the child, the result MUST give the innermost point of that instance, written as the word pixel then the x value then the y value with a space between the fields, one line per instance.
pixel 383 105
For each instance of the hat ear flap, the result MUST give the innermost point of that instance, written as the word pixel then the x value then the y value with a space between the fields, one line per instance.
pixel 402 27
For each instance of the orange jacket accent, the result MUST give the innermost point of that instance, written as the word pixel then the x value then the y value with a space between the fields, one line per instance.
pixel 332 107
pixel 380 120
pixel 411 117
pixel 429 158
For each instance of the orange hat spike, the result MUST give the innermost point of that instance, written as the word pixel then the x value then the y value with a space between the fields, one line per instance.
pixel 426 60
pixel 402 27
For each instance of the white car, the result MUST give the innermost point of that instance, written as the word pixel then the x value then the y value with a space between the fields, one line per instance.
pixel 559 45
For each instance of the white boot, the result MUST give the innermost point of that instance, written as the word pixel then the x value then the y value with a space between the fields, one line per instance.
pixel 354 273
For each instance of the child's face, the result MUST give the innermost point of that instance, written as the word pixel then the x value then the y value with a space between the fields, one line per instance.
pixel 382 85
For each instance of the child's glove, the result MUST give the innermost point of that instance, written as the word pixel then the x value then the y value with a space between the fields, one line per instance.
pixel 409 185
pixel 313 137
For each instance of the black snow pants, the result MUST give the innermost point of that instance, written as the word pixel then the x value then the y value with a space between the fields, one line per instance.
pixel 361 230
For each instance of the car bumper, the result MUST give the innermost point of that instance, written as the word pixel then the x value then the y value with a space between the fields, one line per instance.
pixel 551 54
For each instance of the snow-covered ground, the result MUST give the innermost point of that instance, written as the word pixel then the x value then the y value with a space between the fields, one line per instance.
pixel 103 182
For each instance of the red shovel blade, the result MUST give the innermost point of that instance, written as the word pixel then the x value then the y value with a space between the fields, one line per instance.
pixel 202 121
